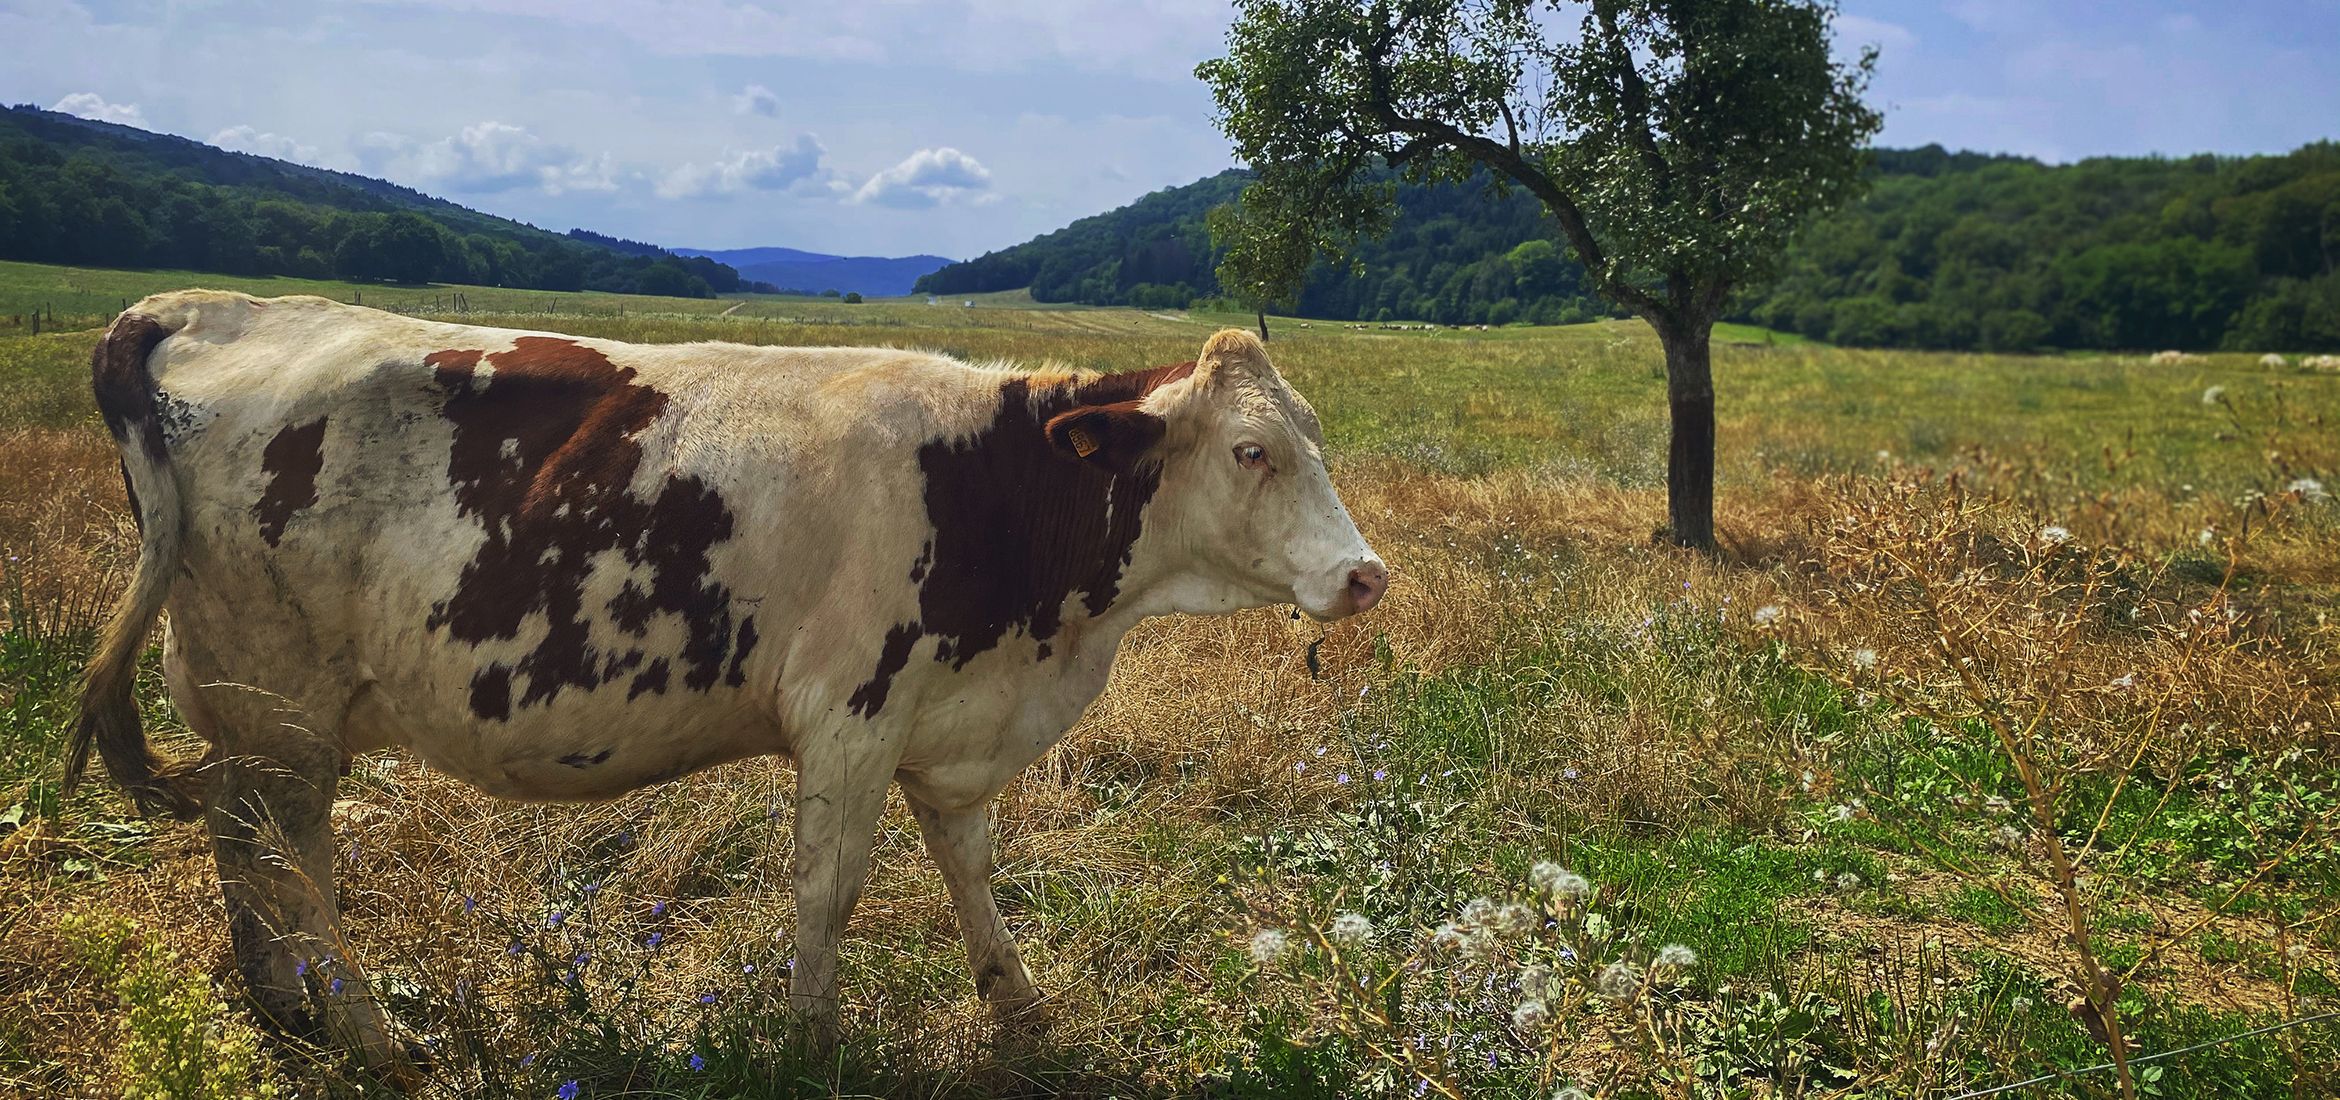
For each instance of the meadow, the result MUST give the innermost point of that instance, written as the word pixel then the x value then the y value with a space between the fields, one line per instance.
pixel 1995 744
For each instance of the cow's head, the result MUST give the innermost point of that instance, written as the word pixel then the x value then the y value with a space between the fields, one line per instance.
pixel 1245 515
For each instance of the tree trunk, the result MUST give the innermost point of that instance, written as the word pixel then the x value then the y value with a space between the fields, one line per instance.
pixel 1690 459
pixel 1263 326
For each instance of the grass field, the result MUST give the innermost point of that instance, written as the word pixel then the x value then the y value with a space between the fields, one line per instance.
pixel 2000 727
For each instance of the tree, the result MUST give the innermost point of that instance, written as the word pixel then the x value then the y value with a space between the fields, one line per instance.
pixel 1678 145
pixel 1267 254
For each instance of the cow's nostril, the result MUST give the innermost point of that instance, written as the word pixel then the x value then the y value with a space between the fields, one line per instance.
pixel 1366 583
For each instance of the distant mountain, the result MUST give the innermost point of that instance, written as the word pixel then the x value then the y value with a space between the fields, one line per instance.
pixel 813 272
pixel 78 191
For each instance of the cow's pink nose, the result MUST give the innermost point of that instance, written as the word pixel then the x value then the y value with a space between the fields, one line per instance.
pixel 1366 584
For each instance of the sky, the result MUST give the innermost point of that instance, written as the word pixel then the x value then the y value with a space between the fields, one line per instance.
pixel 891 127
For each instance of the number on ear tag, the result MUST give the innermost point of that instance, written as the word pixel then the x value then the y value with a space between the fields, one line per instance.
pixel 1083 443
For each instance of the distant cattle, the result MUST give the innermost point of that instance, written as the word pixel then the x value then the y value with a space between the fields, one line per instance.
pixel 563 569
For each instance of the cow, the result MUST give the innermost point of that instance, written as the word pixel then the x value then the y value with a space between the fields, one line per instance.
pixel 562 569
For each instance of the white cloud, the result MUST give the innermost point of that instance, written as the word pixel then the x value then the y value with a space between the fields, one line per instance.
pixel 488 158
pixel 929 177
pixel 779 168
pixel 93 105
pixel 755 99
pixel 250 139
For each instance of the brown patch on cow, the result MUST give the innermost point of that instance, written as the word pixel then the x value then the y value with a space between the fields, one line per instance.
pixel 1021 526
pixel 291 461
pixel 546 448
pixel 870 697
pixel 123 387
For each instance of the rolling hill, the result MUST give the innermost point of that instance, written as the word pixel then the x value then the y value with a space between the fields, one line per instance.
pixel 78 191
pixel 1948 250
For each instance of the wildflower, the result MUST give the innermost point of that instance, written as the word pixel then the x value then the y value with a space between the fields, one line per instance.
pixel 555 919
pixel 1267 945
pixel 1531 1016
pixel 336 987
pixel 513 950
pixel 1351 929
pixel 698 1063
pixel 653 940
pixel 748 969
pixel 1619 982
pixel 2309 489
pixel 1676 955
pixel 1864 657
pixel 2208 536
pixel 1596 926
pixel 528 1060
pixel 301 968
pixel 2054 534
pixel 1380 775
pixel 2214 395
pixel 470 904
pixel 707 998
pixel 1767 614
pixel 1840 813
pixel 2125 681
pixel 658 909
pixel 2295 952
pixel 1535 982
pixel 1342 779
pixel 568 1091
pixel 1569 774
pixel 1848 881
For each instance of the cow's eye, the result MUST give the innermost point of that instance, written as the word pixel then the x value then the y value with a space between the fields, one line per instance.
pixel 1251 455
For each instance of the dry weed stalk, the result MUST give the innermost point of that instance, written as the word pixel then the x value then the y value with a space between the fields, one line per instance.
pixel 1997 623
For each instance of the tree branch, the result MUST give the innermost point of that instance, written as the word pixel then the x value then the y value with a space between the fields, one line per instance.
pixel 1633 95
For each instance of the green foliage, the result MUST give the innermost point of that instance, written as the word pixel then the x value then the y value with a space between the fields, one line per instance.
pixel 178 1040
pixel 2002 253
pixel 81 192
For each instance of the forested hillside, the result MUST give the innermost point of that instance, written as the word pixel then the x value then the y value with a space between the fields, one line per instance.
pixel 78 191
pixel 1947 251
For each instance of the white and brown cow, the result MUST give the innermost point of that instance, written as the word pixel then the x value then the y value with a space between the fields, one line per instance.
pixel 564 569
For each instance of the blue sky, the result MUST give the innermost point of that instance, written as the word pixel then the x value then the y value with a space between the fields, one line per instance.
pixel 899 126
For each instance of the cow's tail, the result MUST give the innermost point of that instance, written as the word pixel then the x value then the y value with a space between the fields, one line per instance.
pixel 109 722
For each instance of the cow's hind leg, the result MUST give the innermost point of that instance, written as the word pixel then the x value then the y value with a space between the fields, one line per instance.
pixel 960 841
pixel 272 833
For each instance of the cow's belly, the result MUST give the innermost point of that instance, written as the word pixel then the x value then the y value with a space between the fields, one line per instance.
pixel 577 749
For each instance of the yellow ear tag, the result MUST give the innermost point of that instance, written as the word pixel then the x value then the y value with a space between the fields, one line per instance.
pixel 1083 443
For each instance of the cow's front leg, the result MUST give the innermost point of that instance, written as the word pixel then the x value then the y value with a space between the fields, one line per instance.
pixel 840 791
pixel 960 841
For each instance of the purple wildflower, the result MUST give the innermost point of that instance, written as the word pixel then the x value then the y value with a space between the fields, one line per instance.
pixel 568 1091
pixel 697 1063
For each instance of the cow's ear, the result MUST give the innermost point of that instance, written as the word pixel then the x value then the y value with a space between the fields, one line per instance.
pixel 1115 436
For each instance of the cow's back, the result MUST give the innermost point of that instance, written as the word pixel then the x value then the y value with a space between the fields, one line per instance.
pixel 533 557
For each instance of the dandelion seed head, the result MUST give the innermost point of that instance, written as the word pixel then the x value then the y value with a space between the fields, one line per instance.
pixel 1840 813
pixel 1676 955
pixel 2055 534
pixel 2309 489
pixel 1267 945
pixel 2295 952
pixel 1478 911
pixel 1515 920
pixel 2213 395
pixel 1446 939
pixel 1619 982
pixel 1848 881
pixel 2007 836
pixel 1531 1015
pixel 2207 536
pixel 1767 614
pixel 1864 657
pixel 1535 982
pixel 2020 1004
pixel 1350 929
